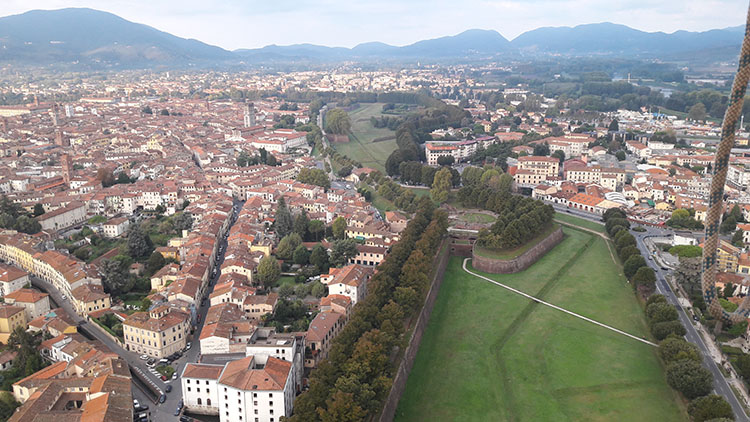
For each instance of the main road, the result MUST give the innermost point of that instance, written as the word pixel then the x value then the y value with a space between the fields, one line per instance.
pixel 720 382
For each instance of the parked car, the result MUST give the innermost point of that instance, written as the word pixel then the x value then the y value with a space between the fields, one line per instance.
pixel 163 377
pixel 177 412
pixel 174 376
pixel 162 398
pixel 144 357
pixel 189 344
pixel 168 389
pixel 135 403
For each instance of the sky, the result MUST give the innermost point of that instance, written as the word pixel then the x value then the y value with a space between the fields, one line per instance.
pixel 234 24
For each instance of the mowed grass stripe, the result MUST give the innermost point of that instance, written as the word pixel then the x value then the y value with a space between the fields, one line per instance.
pixel 555 367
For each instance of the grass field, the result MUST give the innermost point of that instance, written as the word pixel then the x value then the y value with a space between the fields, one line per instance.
pixel 476 217
pixel 567 218
pixel 361 146
pixel 488 354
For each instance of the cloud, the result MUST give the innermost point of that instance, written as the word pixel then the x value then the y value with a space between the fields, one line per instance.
pixel 254 23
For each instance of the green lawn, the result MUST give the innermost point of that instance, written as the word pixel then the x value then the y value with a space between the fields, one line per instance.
pixel 488 354
pixel 361 146
pixel 476 217
pixel 567 218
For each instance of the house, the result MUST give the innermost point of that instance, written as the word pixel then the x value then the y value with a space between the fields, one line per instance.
pixel 35 302
pixel 350 281
pixel 64 217
pixel 158 333
pixel 254 388
pixel 11 317
pixel 321 332
pixel 115 227
pixel 12 279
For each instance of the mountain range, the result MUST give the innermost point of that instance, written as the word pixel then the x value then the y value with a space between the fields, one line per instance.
pixel 91 37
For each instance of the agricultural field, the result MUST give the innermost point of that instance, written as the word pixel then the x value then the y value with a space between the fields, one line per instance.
pixel 488 354
pixel 369 145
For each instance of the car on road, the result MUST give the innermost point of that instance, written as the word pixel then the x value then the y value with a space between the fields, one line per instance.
pixel 162 398
pixel 144 357
pixel 141 408
pixel 168 388
pixel 135 403
pixel 189 344
pixel 64 297
pixel 177 411
pixel 163 377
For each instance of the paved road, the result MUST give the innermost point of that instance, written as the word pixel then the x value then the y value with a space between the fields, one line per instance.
pixel 721 385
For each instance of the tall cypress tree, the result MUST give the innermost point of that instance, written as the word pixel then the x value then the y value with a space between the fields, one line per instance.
pixel 283 224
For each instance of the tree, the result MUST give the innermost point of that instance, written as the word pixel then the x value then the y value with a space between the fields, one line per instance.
pixel 182 221
pixel 710 407
pixel 317 229
pixel 662 330
pixel 689 378
pixel 286 290
pixel 627 252
pixel 139 243
pixel 728 225
pixel 625 240
pixel 287 246
pixel 319 258
pixel 155 262
pixel 743 365
pixel 674 349
pixel 645 276
pixel 445 160
pixel 632 265
pixel 114 277
pixel 620 155
pixel 341 407
pixel 27 225
pixel 738 238
pixel 269 271
pixel 660 312
pixel 541 149
pixel 301 255
pixel 301 223
pixel 339 227
pixel 38 209
pixel 697 112
pixel 342 251
pixel 318 289
pixel 614 126
pixel 560 155
pixel 283 224
pixel 313 176
pixel 441 186
pixel 656 298
pixel 338 122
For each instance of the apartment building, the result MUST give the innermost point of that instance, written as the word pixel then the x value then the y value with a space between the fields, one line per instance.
pixel 158 333
pixel 546 166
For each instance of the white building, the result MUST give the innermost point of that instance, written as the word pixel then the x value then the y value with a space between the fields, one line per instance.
pixel 12 279
pixel 250 389
pixel 115 227
pixel 349 281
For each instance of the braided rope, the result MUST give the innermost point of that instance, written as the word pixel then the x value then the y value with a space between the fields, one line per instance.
pixel 716 198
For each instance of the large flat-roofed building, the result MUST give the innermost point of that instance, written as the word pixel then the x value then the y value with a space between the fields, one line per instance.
pixel 61 218
pixel 546 166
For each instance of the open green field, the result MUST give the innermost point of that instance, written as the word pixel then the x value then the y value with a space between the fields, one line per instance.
pixel 490 355
pixel 361 146
pixel 477 217
pixel 567 218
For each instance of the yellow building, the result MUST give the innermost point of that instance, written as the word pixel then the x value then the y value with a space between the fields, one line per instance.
pixel 90 298
pixel 728 257
pixel 11 317
pixel 157 333
pixel 547 166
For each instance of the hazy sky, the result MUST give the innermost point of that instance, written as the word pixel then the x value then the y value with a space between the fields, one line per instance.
pixel 254 23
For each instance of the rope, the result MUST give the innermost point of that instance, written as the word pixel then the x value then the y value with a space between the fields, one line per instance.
pixel 716 196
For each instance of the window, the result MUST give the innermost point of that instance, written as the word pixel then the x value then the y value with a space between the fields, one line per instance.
pixel 198 390
pixel 206 382
pixel 188 388
pixel 188 381
pixel 256 411
pixel 200 402
pixel 208 402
